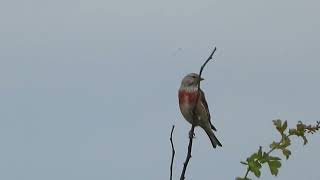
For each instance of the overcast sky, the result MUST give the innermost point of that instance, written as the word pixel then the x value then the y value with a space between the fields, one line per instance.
pixel 88 89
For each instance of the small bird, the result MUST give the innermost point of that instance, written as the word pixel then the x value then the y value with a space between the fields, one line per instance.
pixel 187 98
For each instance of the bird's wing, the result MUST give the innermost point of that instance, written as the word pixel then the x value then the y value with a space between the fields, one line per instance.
pixel 203 100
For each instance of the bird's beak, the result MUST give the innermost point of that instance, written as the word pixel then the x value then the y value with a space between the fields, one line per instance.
pixel 201 79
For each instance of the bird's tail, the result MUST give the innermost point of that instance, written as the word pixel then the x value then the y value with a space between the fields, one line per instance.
pixel 212 137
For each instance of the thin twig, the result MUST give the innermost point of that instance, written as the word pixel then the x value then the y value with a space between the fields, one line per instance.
pixel 245 176
pixel 191 133
pixel 173 152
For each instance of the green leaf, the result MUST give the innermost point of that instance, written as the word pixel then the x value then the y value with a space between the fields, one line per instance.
pixel 285 142
pixel 274 166
pixel 264 158
pixel 278 123
pixel 252 157
pixel 293 131
pixel 274 158
pixel 286 152
pixel 274 145
pixel 260 153
pixel 300 126
pixel 300 129
pixel 255 167
pixel 239 178
pixel 257 173
pixel 284 126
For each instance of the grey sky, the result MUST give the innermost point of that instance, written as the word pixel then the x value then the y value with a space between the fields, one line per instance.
pixel 88 89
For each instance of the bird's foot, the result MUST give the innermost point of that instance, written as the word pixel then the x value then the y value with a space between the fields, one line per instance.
pixel 192 134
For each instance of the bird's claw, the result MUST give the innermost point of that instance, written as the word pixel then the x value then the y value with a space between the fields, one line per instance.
pixel 192 134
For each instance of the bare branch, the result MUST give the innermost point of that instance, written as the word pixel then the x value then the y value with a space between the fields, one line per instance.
pixel 191 133
pixel 185 164
pixel 173 152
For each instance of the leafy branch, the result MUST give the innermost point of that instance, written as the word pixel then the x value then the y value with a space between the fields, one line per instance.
pixel 257 159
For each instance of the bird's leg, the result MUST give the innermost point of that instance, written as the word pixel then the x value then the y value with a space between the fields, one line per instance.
pixel 192 134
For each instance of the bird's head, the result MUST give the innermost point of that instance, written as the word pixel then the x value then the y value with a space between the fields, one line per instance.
pixel 191 80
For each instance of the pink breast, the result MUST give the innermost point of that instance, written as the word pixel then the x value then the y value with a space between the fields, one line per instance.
pixel 187 97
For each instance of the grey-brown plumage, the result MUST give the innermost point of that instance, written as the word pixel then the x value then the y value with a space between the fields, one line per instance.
pixel 187 98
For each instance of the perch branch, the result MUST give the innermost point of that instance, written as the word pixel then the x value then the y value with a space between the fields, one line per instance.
pixel 191 133
pixel 173 152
